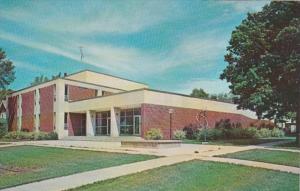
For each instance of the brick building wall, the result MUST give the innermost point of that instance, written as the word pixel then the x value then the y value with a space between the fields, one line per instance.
pixel 76 124
pixel 12 106
pixel 78 93
pixel 28 111
pixel 157 116
pixel 47 108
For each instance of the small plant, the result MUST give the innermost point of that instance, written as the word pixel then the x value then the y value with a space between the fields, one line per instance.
pixel 211 134
pixel 179 134
pixel 263 133
pixel 154 134
pixel 276 132
pixel 3 127
pixel 190 131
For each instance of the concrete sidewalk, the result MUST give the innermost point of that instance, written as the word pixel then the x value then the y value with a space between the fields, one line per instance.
pixel 79 179
pixel 264 165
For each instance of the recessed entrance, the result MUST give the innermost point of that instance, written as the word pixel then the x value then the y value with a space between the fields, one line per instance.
pixel 130 121
pixel 102 123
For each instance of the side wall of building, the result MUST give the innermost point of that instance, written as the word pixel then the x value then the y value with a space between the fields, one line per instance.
pixel 12 106
pixel 47 108
pixel 28 112
pixel 157 116
pixel 78 93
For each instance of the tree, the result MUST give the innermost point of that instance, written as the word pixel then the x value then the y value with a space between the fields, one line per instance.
pixel 7 73
pixel 38 80
pixel 199 93
pixel 41 79
pixel 264 62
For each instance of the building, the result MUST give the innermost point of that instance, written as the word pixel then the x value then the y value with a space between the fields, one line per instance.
pixel 89 103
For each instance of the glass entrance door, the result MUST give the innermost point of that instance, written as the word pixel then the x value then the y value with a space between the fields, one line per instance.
pixel 137 125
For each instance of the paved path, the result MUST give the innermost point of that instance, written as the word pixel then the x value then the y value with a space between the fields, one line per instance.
pixel 76 180
pixel 269 166
pixel 173 155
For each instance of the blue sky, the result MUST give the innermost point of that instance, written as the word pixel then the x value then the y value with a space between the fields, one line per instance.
pixel 170 45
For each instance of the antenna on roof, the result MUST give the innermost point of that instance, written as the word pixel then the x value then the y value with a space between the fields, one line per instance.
pixel 81 53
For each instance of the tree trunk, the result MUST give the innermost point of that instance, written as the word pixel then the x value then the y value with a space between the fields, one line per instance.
pixel 298 127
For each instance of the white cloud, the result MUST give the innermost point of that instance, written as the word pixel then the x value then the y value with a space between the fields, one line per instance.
pixel 93 17
pixel 29 67
pixel 211 86
pixel 246 6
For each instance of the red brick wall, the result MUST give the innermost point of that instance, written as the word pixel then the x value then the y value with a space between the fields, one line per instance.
pixel 157 116
pixel 77 93
pixel 47 108
pixel 12 113
pixel 28 111
pixel 76 124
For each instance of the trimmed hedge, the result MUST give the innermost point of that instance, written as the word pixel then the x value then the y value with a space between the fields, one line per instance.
pixel 19 135
pixel 3 127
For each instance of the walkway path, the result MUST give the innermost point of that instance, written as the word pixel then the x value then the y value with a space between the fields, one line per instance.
pixel 76 180
pixel 172 156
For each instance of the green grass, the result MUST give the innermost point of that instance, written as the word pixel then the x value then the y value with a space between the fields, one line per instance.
pixel 264 155
pixel 26 164
pixel 290 145
pixel 230 142
pixel 199 175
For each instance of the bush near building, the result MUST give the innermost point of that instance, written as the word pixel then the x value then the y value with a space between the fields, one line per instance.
pixel 154 134
pixel 29 136
pixel 224 129
pixel 3 127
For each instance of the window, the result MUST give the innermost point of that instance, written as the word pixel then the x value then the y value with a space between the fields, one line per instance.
pixel 66 93
pixel 128 121
pixel 106 93
pixel 103 123
pixel 66 121
pixel 54 93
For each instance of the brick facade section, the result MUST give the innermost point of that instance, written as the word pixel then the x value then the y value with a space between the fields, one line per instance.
pixel 47 108
pixel 28 111
pixel 76 124
pixel 157 116
pixel 78 93
pixel 12 106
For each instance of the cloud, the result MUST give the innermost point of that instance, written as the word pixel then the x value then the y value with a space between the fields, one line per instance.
pixel 81 17
pixel 211 86
pixel 29 67
pixel 246 6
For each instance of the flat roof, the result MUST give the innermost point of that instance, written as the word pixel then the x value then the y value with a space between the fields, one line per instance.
pixel 88 70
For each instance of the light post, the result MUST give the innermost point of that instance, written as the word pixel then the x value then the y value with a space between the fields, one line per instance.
pixel 171 111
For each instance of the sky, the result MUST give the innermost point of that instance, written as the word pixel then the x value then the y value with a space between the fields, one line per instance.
pixel 168 44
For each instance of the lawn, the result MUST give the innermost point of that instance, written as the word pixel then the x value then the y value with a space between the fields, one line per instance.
pixel 264 155
pixel 199 175
pixel 245 142
pixel 290 145
pixel 24 164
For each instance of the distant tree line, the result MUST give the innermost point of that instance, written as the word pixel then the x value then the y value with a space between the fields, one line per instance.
pixel 200 93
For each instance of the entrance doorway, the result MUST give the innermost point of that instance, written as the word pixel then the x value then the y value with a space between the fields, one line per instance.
pixel 102 123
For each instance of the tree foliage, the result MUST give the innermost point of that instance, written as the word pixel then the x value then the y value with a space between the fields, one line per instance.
pixel 41 79
pixel 264 60
pixel 7 73
pixel 199 93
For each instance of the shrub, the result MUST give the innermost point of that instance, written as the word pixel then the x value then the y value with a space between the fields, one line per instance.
pixel 20 135
pixel 211 134
pixel 249 132
pixel 179 134
pixel 263 133
pixel 154 134
pixel 190 131
pixel 3 127
pixel 223 124
pixel 276 132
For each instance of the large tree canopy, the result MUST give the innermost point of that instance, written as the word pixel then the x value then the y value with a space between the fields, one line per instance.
pixel 264 61
pixel 7 73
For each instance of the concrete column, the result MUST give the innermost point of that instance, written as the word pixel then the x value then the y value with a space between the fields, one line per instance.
pixel 90 123
pixel 37 110
pixel 59 109
pixel 114 122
